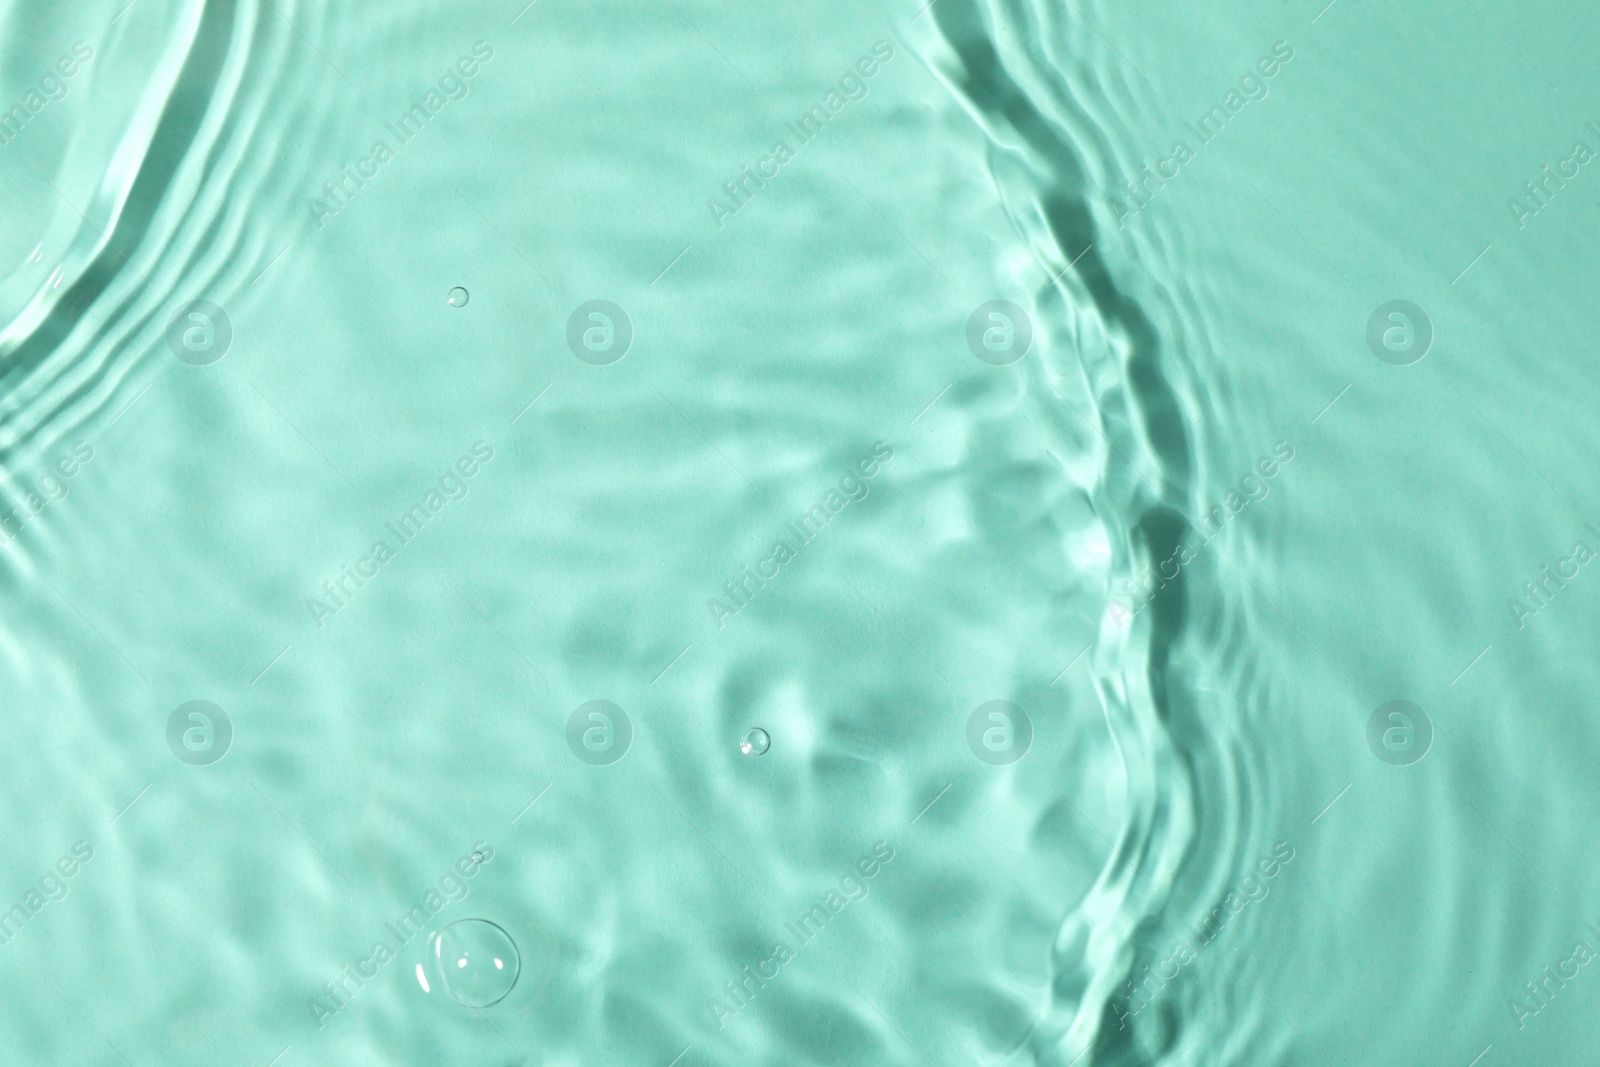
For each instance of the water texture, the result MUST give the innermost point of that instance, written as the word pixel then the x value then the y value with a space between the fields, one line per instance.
pixel 979 532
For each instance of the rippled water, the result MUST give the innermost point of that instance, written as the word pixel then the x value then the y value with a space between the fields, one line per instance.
pixel 977 533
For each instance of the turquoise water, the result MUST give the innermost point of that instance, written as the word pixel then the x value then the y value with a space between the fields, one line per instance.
pixel 681 535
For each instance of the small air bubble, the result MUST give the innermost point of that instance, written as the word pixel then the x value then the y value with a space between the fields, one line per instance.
pixel 458 297
pixel 756 742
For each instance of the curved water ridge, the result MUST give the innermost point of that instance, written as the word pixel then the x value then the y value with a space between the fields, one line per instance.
pixel 1112 369
pixel 154 181
pixel 831 740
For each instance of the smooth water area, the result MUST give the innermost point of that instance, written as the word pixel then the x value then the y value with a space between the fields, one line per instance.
pixel 684 535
